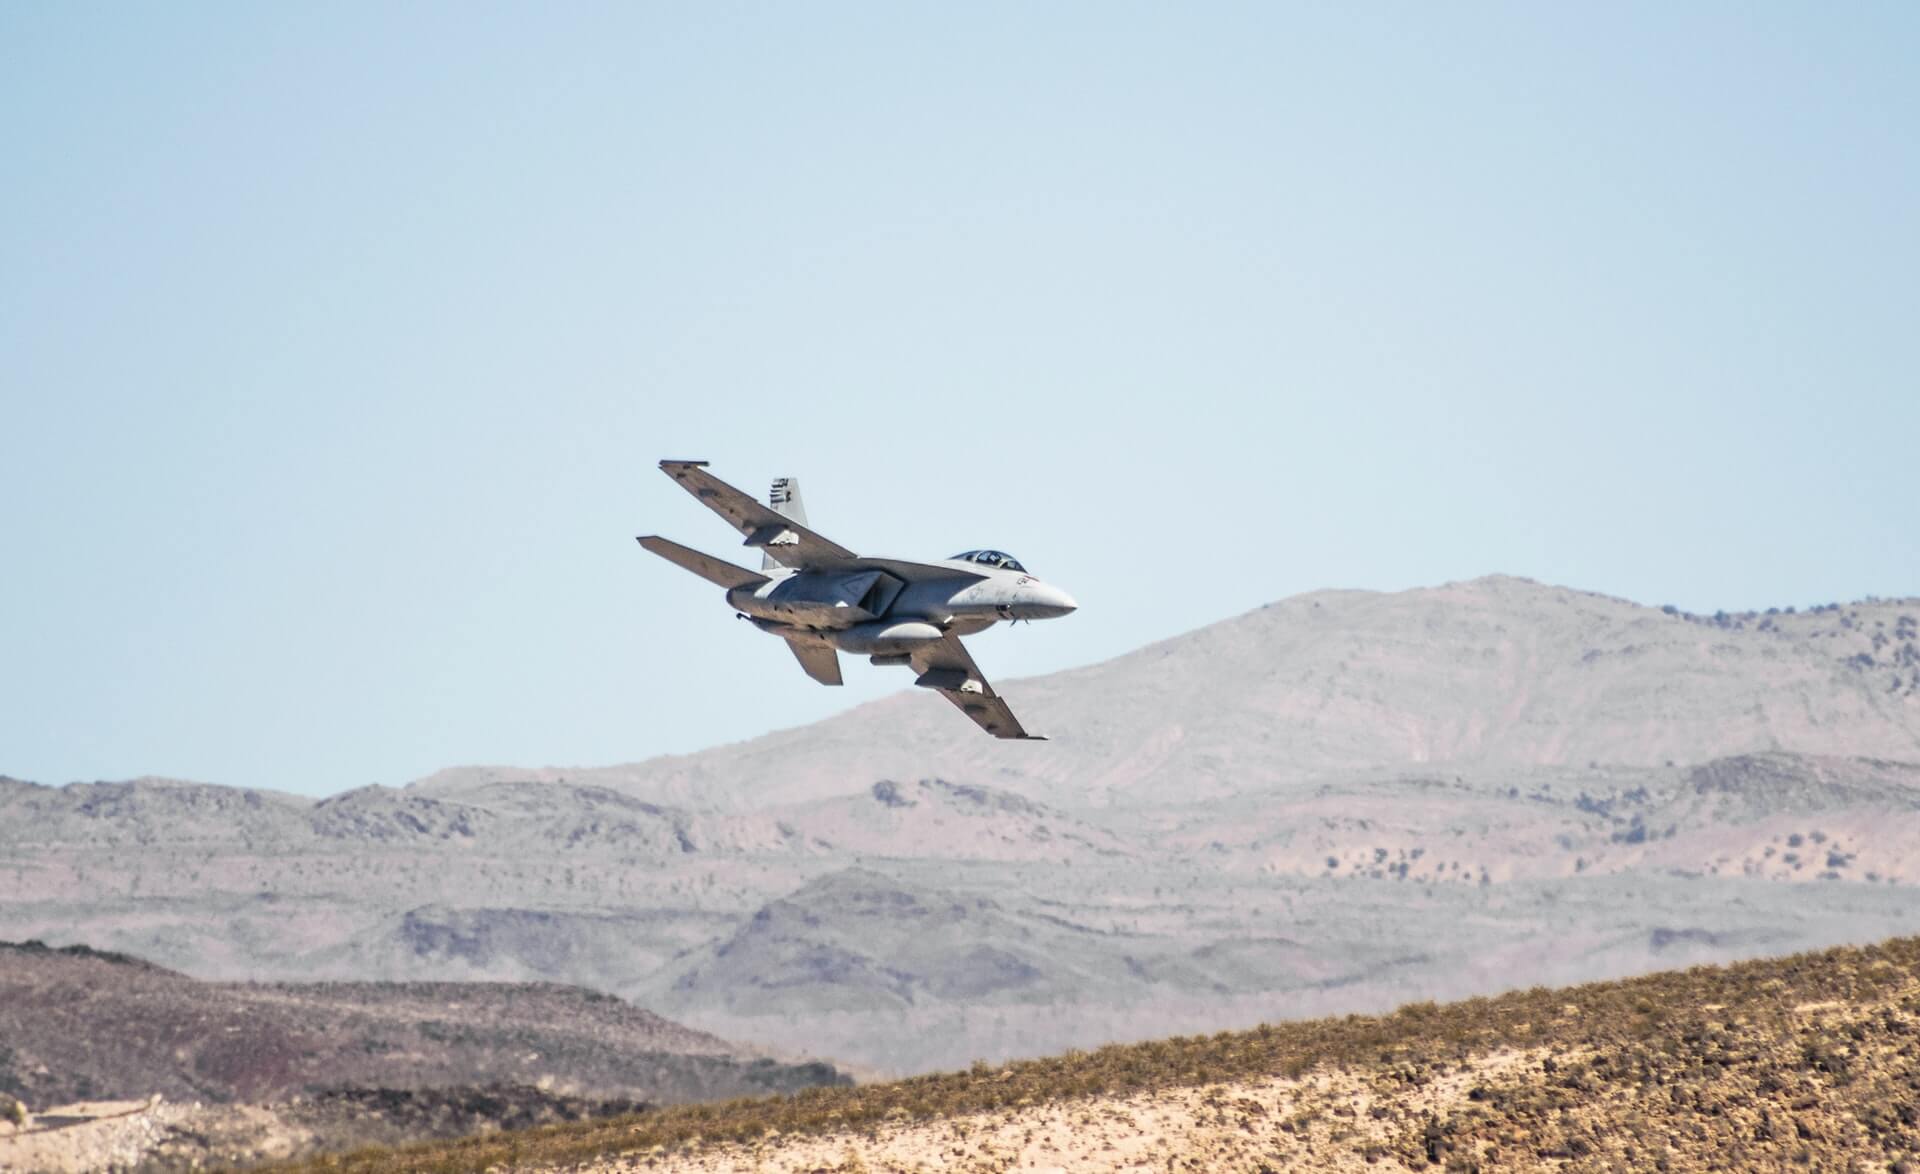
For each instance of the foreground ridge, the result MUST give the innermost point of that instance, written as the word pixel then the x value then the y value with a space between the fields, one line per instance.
pixel 1809 1058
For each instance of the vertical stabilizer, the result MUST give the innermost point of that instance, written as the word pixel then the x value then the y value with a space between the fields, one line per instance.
pixel 784 497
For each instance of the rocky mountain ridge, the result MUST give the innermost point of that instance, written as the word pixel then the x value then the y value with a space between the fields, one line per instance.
pixel 1498 673
pixel 1335 803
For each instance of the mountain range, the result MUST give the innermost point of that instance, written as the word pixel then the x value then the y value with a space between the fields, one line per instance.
pixel 1334 803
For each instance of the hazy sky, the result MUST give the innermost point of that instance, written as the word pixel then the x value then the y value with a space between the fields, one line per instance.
pixel 338 343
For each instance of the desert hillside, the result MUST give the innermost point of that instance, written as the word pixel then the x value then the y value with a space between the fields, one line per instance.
pixel 1338 803
pixel 1494 674
pixel 76 1025
pixel 1808 1061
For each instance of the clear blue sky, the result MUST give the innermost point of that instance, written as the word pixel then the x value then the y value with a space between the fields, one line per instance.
pixel 338 342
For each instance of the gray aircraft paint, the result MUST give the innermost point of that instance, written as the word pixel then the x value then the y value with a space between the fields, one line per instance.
pixel 823 599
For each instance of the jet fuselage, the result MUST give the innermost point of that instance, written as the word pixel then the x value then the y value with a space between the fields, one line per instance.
pixel 851 610
pixel 823 599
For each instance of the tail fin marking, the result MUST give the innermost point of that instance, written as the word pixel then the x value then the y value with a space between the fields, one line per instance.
pixel 784 497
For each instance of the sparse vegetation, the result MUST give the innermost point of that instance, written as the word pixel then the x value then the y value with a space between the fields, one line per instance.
pixel 1901 648
pixel 1810 1058
pixel 1262 891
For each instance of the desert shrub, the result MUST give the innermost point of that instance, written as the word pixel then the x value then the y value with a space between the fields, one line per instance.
pixel 11 1110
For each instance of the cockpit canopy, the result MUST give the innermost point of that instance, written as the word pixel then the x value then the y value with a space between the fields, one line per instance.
pixel 991 558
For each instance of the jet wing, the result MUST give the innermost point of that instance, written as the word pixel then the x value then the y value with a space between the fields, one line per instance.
pixel 947 667
pixel 785 539
pixel 908 572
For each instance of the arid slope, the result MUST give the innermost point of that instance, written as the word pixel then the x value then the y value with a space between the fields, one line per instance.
pixel 1496 673
pixel 76 1024
pixel 1336 803
pixel 1811 1060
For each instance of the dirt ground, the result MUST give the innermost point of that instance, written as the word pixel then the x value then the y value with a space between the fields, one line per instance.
pixel 121 1135
pixel 1318 1122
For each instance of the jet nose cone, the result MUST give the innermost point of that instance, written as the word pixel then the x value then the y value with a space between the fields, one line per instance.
pixel 1053 602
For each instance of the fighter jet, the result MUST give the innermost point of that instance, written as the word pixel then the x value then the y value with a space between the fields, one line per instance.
pixel 823 599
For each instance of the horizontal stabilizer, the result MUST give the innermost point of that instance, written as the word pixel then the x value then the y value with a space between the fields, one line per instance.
pixel 719 572
pixel 820 662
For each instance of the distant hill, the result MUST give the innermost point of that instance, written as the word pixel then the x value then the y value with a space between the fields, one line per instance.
pixel 79 1024
pixel 1337 803
pixel 1497 673
pixel 1800 1062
